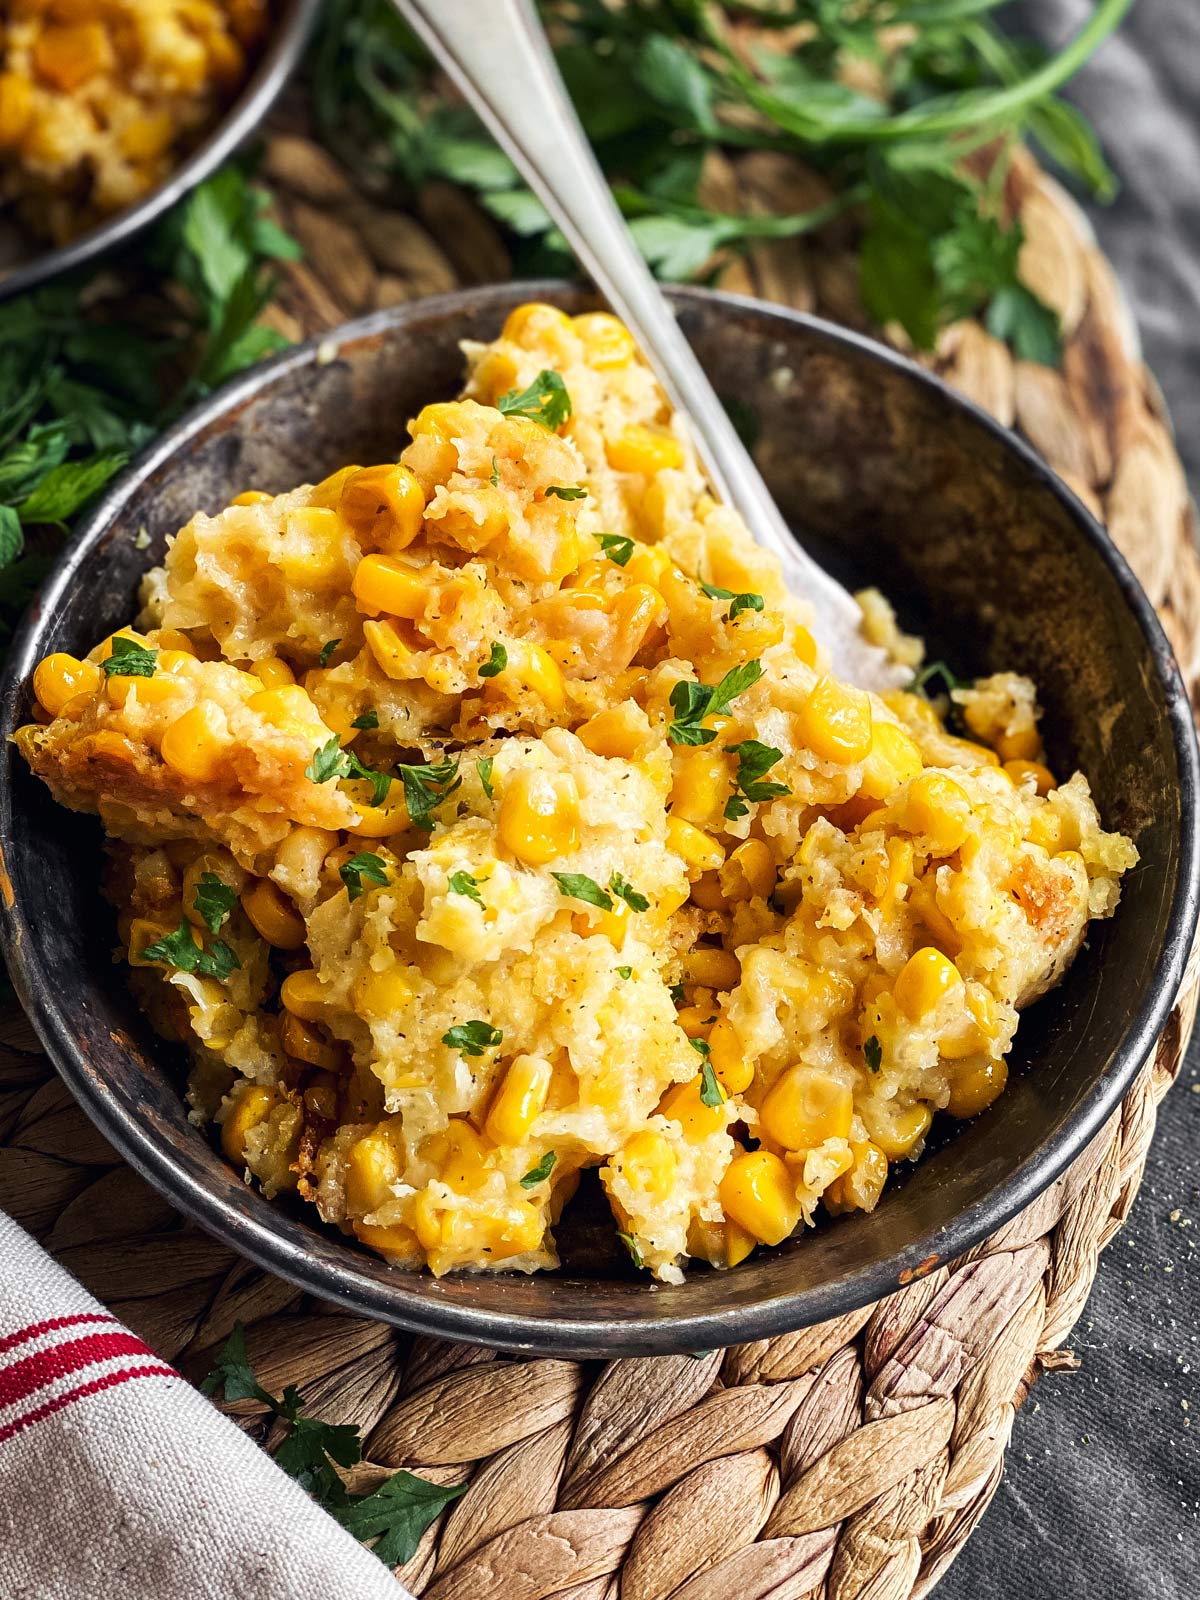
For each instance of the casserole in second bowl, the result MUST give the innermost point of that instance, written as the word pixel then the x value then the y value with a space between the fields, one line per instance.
pixel 825 502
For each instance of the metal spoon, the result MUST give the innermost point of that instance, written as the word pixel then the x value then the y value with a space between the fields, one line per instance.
pixel 498 56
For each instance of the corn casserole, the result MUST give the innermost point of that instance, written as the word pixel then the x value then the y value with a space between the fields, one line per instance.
pixel 100 99
pixel 487 816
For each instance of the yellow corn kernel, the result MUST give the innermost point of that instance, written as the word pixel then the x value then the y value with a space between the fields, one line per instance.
pixel 304 995
pixel 614 924
pixel 607 342
pixel 966 753
pixel 700 851
pixel 385 502
pixel 495 375
pixel 697 1021
pixel 706 892
pixel 738 1243
pixel 273 673
pixel 1024 745
pixel 373 1165
pixel 306 1044
pixel 486 519
pixel 1047 829
pixel 648 1164
pixel 524 323
pixel 252 497
pixel 444 419
pixel 194 744
pixel 393 1240
pixel 859 1188
pixel 16 108
pixel 253 1105
pixel 1022 771
pixel 289 709
pixel 759 1194
pixel 682 1104
pixel 975 1085
pixel 539 817
pixel 804 1107
pixel 647 564
pixel 835 722
pixel 728 1057
pixel 896 1129
pixel 382 994
pixel 712 969
pixel 701 785
pixel 143 138
pixel 926 976
pixel 893 760
pixel 750 872
pixel 803 644
pixel 380 822
pixel 637 613
pixel 392 655
pixel 312 553
pixel 381 583
pixel 646 450
pixel 273 915
pixel 531 667
pixel 981 1028
pixel 60 678
pixel 460 1153
pixel 620 732
pixel 518 1102
pixel 154 691
pixel 69 56
pixel 938 809
pixel 145 931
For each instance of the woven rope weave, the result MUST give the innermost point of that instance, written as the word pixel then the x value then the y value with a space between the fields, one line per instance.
pixel 846 1462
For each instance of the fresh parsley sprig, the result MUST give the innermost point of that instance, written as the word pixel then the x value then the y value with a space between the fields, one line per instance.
pixel 754 759
pixel 180 951
pixel 360 870
pixel 473 1038
pixel 545 401
pixel 692 702
pixel 129 659
pixel 394 1515
pixel 214 900
pixel 738 602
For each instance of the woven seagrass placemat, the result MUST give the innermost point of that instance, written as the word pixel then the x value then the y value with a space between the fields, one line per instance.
pixel 848 1460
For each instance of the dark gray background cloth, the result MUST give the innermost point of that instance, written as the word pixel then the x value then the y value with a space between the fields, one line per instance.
pixel 1101 1494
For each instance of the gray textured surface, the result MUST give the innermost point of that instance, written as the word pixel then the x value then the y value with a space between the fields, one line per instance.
pixel 1101 1497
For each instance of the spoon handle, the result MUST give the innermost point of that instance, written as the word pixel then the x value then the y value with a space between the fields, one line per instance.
pixel 498 56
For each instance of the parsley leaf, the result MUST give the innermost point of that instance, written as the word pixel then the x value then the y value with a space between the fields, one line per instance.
pixel 363 865
pixel 631 1245
pixel 214 900
pixel 560 493
pixel 624 972
pixel 494 474
pixel 545 402
pixel 496 661
pixel 741 602
pixel 473 1038
pixel 484 768
pixel 934 670
pixel 625 891
pixel 578 886
pixel 463 883
pixel 327 650
pixel 328 761
pixel 129 660
pixel 873 1053
pixel 233 1375
pixel 701 1047
pixel 541 1172
pixel 711 1093
pixel 180 951
pixel 425 787
pixel 754 759
pixel 368 721
pixel 396 1514
pixel 616 546
pixel 678 995
pixel 692 702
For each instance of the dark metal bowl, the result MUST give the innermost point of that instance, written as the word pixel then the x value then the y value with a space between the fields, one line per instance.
pixel 284 45
pixel 889 477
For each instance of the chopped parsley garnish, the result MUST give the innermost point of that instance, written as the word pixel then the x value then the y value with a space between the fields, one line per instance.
pixel 616 546
pixel 678 995
pixel 463 883
pixel 711 1093
pixel 754 759
pixel 541 1172
pixel 363 865
pixel 545 402
pixel 425 787
pixel 566 492
pixel 580 887
pixel 494 474
pixel 327 650
pixel 692 702
pixel 484 769
pixel 394 1515
pixel 367 722
pixel 473 1038
pixel 625 891
pixel 873 1053
pixel 624 972
pixel 932 671
pixel 739 602
pixel 701 1047
pixel 129 660
pixel 214 900
pixel 180 950
pixel 496 662
pixel 331 761
pixel 631 1245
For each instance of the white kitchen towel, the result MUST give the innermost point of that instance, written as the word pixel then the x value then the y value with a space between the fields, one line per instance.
pixel 118 1481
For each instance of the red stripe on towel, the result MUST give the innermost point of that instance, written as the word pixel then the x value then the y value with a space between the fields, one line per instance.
pixel 110 1380
pixel 35 1329
pixel 34 1372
